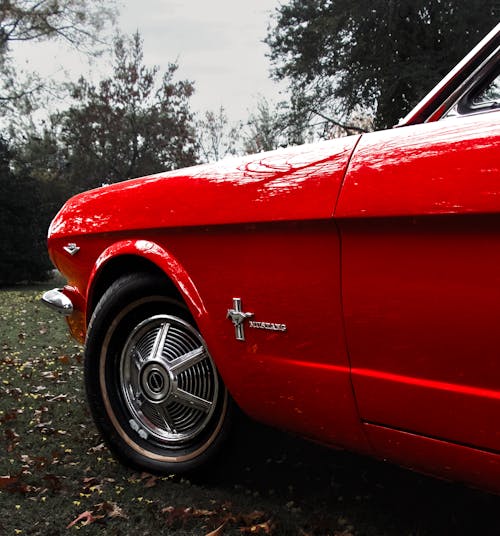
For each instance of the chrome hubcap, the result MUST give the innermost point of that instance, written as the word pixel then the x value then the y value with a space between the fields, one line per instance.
pixel 155 382
pixel 168 381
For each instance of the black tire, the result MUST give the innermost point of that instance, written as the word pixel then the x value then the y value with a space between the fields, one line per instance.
pixel 153 389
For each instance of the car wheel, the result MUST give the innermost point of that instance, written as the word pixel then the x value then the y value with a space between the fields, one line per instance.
pixel 153 389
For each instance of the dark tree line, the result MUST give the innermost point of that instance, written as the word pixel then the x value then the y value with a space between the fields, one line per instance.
pixel 25 208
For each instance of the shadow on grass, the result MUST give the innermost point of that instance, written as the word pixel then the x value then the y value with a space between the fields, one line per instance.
pixel 327 488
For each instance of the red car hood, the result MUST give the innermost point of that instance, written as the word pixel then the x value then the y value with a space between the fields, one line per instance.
pixel 288 184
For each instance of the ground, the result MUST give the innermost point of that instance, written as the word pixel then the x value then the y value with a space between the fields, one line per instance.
pixel 57 477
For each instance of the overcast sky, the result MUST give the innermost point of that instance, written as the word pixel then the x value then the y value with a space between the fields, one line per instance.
pixel 217 44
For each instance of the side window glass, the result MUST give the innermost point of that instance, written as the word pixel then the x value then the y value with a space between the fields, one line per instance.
pixel 483 91
pixel 483 97
pixel 487 96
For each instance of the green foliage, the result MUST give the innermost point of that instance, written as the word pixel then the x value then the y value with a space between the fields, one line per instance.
pixel 132 123
pixel 376 57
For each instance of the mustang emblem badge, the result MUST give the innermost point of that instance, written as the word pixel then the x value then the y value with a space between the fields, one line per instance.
pixel 237 316
pixel 71 248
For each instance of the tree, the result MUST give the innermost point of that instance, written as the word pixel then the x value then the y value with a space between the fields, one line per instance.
pixel 76 22
pixel 216 137
pixel 264 131
pixel 370 57
pixel 132 123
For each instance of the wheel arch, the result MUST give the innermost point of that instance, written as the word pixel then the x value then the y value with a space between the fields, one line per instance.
pixel 141 256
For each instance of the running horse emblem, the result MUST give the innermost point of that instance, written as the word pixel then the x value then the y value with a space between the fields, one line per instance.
pixel 237 316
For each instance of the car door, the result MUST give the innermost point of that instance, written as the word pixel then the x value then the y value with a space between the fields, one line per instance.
pixel 419 218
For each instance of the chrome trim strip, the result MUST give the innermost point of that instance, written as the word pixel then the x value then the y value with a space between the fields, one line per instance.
pixel 58 301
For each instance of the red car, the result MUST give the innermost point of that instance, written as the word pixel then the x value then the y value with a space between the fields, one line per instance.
pixel 347 291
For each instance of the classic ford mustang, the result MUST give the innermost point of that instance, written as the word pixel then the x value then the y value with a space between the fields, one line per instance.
pixel 347 291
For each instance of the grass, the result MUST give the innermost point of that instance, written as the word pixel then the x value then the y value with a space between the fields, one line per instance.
pixel 57 477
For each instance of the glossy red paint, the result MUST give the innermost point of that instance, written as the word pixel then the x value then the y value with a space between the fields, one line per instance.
pixel 274 268
pixel 260 257
pixel 421 290
pixel 432 456
pixel 379 253
pixel 442 168
pixel 298 183
pixel 157 255
pixel 294 372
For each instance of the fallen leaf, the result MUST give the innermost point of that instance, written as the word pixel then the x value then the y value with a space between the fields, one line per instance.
pixel 13 484
pixel 53 482
pixel 260 528
pixel 97 448
pixel 86 517
pixel 167 510
pixel 204 513
pixel 111 509
pixel 8 481
pixel 218 531
pixel 176 514
pixel 58 397
pixel 9 416
pixel 150 482
pixel 50 375
pixel 252 518
pixel 11 434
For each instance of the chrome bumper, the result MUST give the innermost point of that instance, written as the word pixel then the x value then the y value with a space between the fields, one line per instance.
pixel 58 301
